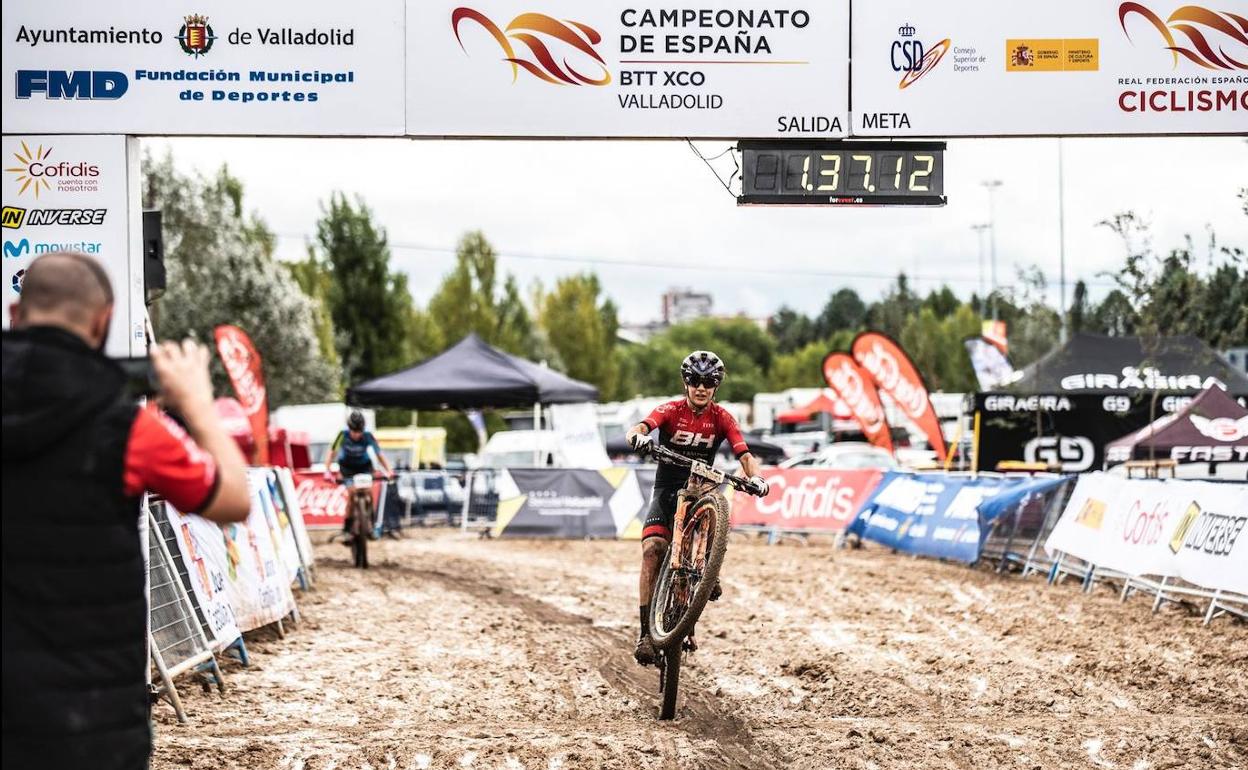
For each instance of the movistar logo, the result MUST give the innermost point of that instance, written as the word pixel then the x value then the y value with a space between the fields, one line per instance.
pixel 15 250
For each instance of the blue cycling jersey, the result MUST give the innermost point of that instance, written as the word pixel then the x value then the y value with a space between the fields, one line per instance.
pixel 356 455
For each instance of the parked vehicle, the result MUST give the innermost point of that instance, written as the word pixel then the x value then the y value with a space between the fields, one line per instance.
pixel 431 490
pixel 845 454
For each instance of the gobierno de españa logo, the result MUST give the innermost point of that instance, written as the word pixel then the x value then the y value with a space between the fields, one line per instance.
pixel 537 32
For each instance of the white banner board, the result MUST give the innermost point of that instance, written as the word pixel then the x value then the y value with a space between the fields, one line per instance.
pixel 203 547
pixel 218 67
pixel 576 431
pixel 77 193
pixel 623 69
pixel 1192 530
pixel 984 67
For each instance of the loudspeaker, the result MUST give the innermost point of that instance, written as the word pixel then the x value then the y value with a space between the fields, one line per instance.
pixel 153 256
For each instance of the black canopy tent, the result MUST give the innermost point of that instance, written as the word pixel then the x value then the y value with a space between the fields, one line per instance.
pixel 1071 403
pixel 471 375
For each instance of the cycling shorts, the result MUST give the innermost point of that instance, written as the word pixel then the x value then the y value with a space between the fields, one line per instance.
pixel 662 512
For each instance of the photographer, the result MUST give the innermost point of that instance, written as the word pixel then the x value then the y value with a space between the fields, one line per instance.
pixel 78 454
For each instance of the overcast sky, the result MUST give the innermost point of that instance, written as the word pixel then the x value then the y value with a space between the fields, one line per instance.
pixel 646 216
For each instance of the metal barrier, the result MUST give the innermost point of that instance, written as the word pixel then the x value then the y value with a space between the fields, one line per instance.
pixel 480 509
pixel 176 640
pixel 1018 539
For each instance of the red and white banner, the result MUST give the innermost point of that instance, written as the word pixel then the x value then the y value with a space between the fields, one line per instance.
pixel 895 374
pixel 323 501
pixel 242 364
pixel 856 390
pixel 1193 530
pixel 821 499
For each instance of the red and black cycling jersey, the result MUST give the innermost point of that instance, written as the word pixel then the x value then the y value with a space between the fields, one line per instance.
pixel 692 434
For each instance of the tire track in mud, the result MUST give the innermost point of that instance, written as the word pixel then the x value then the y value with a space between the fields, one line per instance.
pixel 702 718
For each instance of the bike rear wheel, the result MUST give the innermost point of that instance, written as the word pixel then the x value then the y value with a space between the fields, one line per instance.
pixel 680 596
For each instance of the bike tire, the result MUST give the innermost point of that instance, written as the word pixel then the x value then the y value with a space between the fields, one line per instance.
pixel 681 628
pixel 671 681
pixel 360 544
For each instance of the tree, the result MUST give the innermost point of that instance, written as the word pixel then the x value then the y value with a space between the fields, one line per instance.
pixel 1078 316
pixel 800 369
pixel 943 302
pixel 580 324
pixel 221 270
pixel 470 300
pixel 1115 316
pixel 370 305
pixel 889 314
pixel 844 310
pixel 315 282
pixel 790 329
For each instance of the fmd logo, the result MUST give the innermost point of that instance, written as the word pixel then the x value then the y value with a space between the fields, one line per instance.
pixel 75 84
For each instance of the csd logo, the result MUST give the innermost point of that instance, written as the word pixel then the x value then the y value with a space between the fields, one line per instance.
pixel 1072 453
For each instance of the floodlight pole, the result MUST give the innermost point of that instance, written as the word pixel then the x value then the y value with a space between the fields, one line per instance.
pixel 991 185
pixel 1061 236
pixel 979 237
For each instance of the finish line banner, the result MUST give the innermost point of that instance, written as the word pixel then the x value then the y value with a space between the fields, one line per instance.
pixel 622 69
pixel 985 68
pixel 1192 530
pixel 217 67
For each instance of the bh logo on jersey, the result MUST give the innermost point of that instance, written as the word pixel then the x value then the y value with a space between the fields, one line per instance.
pixel 689 438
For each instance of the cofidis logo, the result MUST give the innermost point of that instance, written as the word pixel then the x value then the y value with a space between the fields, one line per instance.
pixel 37 172
pixel 538 33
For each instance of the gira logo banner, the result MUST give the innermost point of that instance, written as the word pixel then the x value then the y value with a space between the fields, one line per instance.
pixel 856 389
pixel 544 64
pixel 1197 25
pixel 242 364
pixel 895 374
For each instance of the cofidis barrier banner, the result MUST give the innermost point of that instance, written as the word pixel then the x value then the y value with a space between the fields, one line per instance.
pixel 930 514
pixel 810 499
pixel 1192 530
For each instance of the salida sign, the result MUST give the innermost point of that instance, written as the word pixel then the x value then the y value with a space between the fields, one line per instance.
pixel 809 499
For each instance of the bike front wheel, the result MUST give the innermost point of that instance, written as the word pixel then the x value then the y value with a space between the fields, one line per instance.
pixel 681 594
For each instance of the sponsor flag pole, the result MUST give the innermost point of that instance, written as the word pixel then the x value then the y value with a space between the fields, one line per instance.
pixel 242 364
pixel 856 388
pixel 895 374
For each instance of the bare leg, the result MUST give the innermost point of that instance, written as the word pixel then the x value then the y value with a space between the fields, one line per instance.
pixel 652 551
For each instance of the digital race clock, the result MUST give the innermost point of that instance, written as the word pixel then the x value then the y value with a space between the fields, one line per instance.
pixel 842 173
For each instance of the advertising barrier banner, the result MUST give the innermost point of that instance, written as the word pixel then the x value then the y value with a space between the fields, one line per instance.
pixel 566 502
pixel 981 68
pixel 622 69
pixel 930 514
pixel 1192 530
pixel 204 551
pixel 323 501
pixel 823 499
pixel 75 193
pixel 258 584
pixel 220 67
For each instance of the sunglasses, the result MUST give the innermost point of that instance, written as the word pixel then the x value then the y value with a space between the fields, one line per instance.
pixel 704 382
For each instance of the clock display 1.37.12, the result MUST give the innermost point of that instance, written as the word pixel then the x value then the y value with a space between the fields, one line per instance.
pixel 842 173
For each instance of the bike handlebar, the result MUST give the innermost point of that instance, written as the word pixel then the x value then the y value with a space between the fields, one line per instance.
pixel 663 454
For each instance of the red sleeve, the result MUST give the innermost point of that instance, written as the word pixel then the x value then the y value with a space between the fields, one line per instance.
pixel 161 458
pixel 728 427
pixel 658 416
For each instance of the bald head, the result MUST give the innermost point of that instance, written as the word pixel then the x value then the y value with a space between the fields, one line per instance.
pixel 68 290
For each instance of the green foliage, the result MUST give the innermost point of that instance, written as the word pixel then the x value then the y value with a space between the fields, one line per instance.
pixel 470 299
pixel 581 325
pixel 889 315
pixel 221 270
pixel 369 303
pixel 844 311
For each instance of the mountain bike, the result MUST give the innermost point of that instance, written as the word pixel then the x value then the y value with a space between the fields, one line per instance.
pixel 360 488
pixel 691 567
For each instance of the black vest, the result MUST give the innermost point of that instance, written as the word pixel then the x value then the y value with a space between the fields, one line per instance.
pixel 74 608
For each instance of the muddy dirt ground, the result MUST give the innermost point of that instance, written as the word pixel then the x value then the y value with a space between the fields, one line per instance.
pixel 456 652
